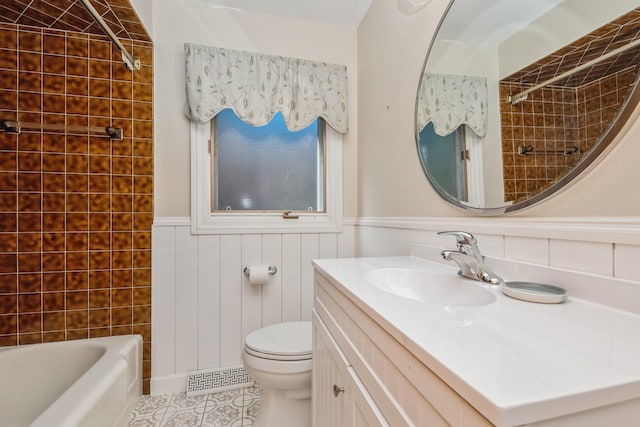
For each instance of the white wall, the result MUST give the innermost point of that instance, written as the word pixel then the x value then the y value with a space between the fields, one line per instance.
pixel 144 9
pixel 178 21
pixel 203 306
pixel 391 49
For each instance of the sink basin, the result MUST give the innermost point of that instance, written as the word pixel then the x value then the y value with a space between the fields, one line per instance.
pixel 430 287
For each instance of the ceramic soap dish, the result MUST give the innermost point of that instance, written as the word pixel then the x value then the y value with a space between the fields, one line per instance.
pixel 534 292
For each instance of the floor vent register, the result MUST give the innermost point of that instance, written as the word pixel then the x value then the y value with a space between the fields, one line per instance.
pixel 217 380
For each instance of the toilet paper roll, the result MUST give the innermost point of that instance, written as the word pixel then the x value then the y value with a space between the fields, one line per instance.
pixel 258 274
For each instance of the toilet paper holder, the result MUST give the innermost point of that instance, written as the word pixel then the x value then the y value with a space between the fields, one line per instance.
pixel 272 270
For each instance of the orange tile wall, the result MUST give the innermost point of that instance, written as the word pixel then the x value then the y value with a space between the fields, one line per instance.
pixel 545 121
pixel 75 210
pixel 598 104
pixel 555 118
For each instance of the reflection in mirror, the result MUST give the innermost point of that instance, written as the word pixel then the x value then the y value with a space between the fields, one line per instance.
pixel 518 97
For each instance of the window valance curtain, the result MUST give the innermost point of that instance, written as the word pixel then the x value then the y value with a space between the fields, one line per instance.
pixel 449 101
pixel 257 86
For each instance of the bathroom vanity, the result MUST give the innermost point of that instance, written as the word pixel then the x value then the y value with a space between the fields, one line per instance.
pixel 389 353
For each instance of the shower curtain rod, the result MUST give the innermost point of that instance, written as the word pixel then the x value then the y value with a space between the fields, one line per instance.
pixel 131 62
pixel 17 127
pixel 515 99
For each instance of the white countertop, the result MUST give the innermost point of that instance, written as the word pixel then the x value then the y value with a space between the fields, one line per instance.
pixel 516 362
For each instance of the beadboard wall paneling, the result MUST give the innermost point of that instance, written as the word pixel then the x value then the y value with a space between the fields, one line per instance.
pixel 203 304
pixel 625 262
pixel 595 258
pixel 586 245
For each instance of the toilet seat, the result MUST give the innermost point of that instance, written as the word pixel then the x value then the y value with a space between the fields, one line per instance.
pixel 267 366
pixel 288 341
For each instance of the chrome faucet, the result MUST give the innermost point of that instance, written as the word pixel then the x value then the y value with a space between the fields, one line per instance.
pixel 469 259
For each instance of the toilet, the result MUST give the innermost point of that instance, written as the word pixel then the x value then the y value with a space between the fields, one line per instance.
pixel 279 358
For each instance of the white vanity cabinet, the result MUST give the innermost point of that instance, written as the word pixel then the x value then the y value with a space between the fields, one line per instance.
pixel 408 362
pixel 378 382
pixel 341 400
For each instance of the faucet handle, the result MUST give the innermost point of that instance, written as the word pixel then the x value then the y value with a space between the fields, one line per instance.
pixel 462 237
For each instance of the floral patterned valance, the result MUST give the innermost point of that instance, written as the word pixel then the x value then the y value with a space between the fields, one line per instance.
pixel 257 86
pixel 449 101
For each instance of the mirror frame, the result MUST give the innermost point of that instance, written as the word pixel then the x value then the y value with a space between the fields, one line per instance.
pixel 607 140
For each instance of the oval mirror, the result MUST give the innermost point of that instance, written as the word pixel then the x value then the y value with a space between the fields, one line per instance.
pixel 518 97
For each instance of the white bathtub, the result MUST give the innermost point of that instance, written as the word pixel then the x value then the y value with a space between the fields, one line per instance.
pixel 94 382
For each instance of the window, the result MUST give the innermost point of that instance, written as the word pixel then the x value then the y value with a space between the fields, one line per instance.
pixel 266 168
pixel 253 174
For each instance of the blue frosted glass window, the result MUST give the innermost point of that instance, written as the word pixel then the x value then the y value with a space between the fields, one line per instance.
pixel 267 168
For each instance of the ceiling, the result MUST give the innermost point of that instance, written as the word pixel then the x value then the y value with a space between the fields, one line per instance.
pixel 338 12
pixel 71 15
pixel 617 33
pixel 491 21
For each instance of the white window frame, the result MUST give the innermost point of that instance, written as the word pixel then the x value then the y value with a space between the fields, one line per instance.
pixel 203 221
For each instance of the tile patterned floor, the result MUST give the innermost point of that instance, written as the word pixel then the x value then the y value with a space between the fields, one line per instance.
pixel 234 408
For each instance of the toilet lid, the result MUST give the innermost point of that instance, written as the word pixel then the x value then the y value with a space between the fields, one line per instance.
pixel 281 340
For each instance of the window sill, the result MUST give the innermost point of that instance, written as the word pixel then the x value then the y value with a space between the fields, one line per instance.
pixel 260 223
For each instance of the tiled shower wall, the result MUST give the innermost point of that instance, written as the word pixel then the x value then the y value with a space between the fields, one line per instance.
pixel 545 121
pixel 555 118
pixel 598 103
pixel 75 210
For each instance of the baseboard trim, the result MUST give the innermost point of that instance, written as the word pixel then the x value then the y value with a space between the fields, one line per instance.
pixel 168 384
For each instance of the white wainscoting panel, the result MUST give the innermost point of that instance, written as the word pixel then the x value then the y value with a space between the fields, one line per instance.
pixel 204 306
pixel 251 304
pixel 627 262
pixel 527 249
pixel 163 332
pixel 186 298
pixel 230 300
pixel 309 249
pixel 291 277
pixel 594 258
pixel 590 257
pixel 209 292
pixel 272 294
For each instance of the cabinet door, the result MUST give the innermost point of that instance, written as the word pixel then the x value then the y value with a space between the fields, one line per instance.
pixel 364 412
pixel 331 405
pixel 339 397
